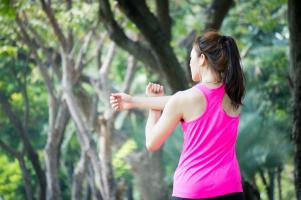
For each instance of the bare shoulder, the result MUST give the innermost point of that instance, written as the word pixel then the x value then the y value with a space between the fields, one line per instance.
pixel 190 96
pixel 190 100
pixel 185 94
pixel 192 103
pixel 175 104
pixel 179 99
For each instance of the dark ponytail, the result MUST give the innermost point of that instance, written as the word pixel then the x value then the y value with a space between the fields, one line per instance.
pixel 233 76
pixel 223 56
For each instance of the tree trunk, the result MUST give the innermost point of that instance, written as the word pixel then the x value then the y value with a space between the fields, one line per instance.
pixel 265 183
pixel 106 155
pixel 149 174
pixel 94 192
pixel 279 170
pixel 58 120
pixel 271 173
pixel 26 178
pixel 78 178
pixel 130 191
pixel 83 133
pixel 250 191
pixel 294 21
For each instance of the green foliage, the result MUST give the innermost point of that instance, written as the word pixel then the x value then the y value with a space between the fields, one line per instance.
pixel 16 71
pixel 121 168
pixel 7 9
pixel 7 50
pixel 11 186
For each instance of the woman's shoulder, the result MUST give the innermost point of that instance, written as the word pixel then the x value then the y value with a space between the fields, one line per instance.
pixel 183 94
pixel 189 96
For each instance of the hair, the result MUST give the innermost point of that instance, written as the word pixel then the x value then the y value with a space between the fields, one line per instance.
pixel 223 57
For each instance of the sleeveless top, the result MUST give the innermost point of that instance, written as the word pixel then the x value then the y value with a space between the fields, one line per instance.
pixel 208 166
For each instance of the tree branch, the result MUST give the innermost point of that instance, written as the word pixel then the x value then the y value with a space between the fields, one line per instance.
pixel 116 33
pixel 11 115
pixel 99 46
pixel 33 46
pixel 23 88
pixel 145 20
pixel 56 27
pixel 39 41
pixel 50 53
pixel 216 13
pixel 70 37
pixel 162 9
pixel 148 24
pixel 82 52
pixel 9 149
pixel 103 74
pixel 132 64
pixel 104 69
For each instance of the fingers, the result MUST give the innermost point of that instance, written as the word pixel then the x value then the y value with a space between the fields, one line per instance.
pixel 148 87
pixel 158 88
pixel 154 88
pixel 115 106
pixel 115 101
pixel 161 89
pixel 115 95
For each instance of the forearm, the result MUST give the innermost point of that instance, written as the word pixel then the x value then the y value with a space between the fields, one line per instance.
pixel 152 119
pixel 144 102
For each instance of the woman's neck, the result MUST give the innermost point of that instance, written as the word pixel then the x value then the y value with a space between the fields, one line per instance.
pixel 210 76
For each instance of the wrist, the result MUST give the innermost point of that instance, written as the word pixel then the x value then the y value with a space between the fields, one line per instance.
pixel 155 113
pixel 131 102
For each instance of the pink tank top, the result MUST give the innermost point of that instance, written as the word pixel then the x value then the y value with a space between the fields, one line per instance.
pixel 208 166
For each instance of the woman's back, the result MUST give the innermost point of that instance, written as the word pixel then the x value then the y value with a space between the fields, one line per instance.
pixel 196 103
pixel 208 166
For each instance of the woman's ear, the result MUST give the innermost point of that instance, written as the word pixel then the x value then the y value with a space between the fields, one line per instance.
pixel 202 60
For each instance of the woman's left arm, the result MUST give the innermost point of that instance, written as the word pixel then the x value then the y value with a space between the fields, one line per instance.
pixel 159 127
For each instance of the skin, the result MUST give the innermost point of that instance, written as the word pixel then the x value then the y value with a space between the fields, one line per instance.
pixel 186 105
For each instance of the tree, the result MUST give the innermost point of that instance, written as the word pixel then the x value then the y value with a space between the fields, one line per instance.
pixel 19 68
pixel 294 8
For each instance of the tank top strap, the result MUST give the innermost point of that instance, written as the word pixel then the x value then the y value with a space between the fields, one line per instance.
pixel 212 95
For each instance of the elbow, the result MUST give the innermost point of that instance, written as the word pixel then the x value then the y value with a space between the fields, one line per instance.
pixel 150 147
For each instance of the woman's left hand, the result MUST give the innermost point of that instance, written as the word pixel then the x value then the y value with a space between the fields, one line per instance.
pixel 153 89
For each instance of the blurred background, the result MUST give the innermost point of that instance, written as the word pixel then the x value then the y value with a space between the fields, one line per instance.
pixel 61 60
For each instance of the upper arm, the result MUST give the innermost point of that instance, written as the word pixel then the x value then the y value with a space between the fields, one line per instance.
pixel 171 115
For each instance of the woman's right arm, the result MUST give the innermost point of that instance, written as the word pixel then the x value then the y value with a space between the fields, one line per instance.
pixel 156 102
pixel 122 101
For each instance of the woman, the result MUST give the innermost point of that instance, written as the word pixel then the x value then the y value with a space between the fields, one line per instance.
pixel 209 114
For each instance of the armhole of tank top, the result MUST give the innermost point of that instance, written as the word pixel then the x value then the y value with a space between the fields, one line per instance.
pixel 205 110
